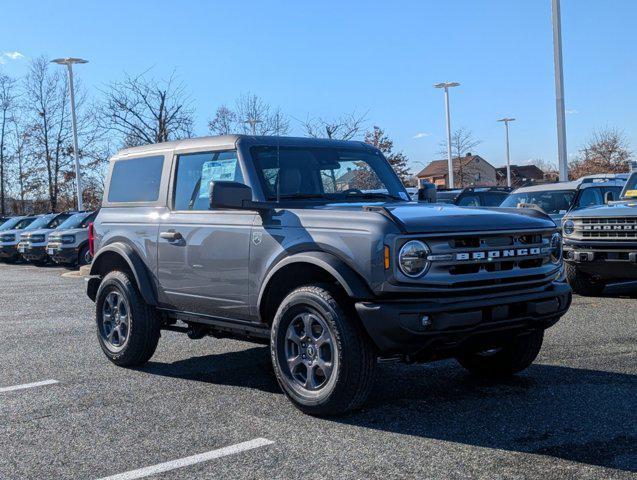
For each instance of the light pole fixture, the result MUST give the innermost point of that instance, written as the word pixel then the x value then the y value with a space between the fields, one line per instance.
pixel 447 86
pixel 559 90
pixel 69 61
pixel 506 121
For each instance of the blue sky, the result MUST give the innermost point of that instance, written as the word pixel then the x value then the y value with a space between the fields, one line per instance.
pixel 329 58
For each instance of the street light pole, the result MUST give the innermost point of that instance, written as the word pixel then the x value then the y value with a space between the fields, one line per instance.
pixel 446 86
pixel 78 180
pixel 559 91
pixel 506 121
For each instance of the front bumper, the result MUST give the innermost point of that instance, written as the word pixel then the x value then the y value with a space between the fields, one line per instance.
pixel 610 260
pixel 9 252
pixel 399 327
pixel 62 254
pixel 32 253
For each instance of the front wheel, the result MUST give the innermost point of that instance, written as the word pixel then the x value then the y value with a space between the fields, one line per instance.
pixel 323 360
pixel 508 359
pixel 127 328
pixel 84 257
pixel 583 284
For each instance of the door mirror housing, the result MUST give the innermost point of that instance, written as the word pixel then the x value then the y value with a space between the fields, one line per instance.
pixel 609 197
pixel 232 195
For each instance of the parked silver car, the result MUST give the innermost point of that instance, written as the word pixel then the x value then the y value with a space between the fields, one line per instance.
pixel 68 244
pixel 10 235
pixel 33 242
pixel 557 199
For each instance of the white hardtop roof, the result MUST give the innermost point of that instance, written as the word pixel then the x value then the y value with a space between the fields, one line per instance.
pixel 612 179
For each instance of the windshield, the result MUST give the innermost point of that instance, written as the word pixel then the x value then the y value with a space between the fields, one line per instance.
pixel 40 222
pixel 326 173
pixel 79 220
pixel 552 202
pixel 16 223
pixel 630 190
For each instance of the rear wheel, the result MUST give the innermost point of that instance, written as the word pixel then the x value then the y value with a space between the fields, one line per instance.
pixel 582 283
pixel 127 328
pixel 323 360
pixel 504 360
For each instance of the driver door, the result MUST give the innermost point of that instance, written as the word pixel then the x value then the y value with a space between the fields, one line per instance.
pixel 203 254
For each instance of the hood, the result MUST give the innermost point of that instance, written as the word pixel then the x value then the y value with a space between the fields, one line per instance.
pixel 437 218
pixel 15 232
pixel 626 208
pixel 39 231
pixel 68 231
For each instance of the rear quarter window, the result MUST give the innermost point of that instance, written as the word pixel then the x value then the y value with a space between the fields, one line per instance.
pixel 136 179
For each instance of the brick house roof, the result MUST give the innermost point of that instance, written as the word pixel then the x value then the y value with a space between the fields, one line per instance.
pixel 439 167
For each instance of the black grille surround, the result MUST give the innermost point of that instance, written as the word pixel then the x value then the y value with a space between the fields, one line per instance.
pixel 480 264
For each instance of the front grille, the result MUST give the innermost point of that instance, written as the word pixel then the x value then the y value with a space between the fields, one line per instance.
pixel 483 263
pixel 621 228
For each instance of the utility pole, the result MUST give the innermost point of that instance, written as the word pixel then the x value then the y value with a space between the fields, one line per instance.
pixel 559 91
pixel 78 180
pixel 447 86
pixel 506 121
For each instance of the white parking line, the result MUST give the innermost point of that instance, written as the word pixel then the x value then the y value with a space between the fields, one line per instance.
pixel 187 461
pixel 27 385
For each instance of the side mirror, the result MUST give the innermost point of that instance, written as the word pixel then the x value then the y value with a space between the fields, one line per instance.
pixel 233 195
pixel 427 192
pixel 609 197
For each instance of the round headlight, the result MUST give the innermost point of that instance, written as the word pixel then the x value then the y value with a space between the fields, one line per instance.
pixel 556 248
pixel 568 227
pixel 412 258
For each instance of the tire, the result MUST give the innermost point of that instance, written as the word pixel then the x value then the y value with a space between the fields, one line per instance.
pixel 581 283
pixel 136 340
pixel 84 257
pixel 350 367
pixel 509 359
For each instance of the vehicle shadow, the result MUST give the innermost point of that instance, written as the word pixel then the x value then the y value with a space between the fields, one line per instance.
pixel 580 415
pixel 622 290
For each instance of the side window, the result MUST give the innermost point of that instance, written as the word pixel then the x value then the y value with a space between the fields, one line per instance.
pixel 469 201
pixel 136 179
pixel 493 199
pixel 194 173
pixel 591 196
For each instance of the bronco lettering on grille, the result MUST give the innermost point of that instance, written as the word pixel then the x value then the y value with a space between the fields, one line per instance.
pixel 492 254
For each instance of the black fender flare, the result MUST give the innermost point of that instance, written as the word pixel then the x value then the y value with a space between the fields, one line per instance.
pixel 351 281
pixel 141 275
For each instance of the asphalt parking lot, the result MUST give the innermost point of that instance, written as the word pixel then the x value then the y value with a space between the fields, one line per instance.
pixel 571 415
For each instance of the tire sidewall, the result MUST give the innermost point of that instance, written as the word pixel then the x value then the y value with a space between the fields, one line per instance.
pixel 116 281
pixel 293 304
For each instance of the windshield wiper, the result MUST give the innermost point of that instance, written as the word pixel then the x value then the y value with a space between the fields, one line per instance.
pixel 375 195
pixel 304 196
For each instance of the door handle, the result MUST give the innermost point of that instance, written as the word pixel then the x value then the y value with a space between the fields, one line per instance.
pixel 171 236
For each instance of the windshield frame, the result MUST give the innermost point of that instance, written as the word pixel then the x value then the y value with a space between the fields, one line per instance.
pixel 631 185
pixel 367 196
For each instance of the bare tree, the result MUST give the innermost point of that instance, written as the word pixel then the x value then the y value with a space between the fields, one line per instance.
pixel 224 121
pixel 25 171
pixel 398 160
pixel 252 116
pixel 47 98
pixel 144 110
pixel 606 151
pixel 462 144
pixel 8 105
pixel 345 127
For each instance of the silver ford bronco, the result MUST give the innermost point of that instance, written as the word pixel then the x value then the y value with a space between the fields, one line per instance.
pixel 314 248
